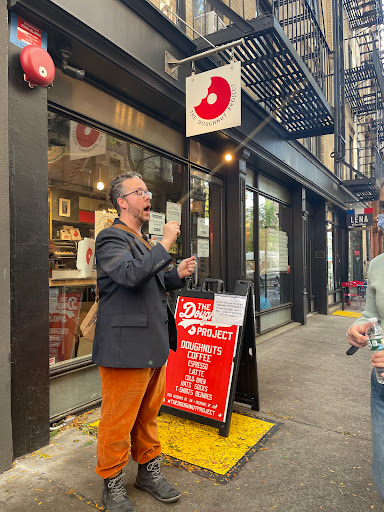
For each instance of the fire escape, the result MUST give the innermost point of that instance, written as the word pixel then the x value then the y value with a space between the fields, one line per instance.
pixel 364 91
pixel 285 59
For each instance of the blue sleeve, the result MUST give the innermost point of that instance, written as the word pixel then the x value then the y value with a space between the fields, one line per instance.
pixel 172 280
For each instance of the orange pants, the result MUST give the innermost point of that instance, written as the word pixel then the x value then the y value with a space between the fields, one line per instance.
pixel 131 398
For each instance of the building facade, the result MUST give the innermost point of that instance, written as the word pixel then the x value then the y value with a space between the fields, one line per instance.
pixel 274 214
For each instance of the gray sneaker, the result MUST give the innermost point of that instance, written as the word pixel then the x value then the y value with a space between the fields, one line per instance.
pixel 115 496
pixel 150 479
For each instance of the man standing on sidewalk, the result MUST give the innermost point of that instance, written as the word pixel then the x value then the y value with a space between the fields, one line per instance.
pixel 134 331
pixel 356 336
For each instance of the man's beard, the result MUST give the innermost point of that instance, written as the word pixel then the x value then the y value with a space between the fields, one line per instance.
pixel 136 214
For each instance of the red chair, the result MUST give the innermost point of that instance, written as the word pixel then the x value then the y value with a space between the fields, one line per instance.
pixel 351 293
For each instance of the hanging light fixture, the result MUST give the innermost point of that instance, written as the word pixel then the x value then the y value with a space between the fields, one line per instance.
pixel 100 185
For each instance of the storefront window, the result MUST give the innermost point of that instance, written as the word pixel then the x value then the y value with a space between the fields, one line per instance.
pixel 81 163
pixel 274 225
pixel 206 225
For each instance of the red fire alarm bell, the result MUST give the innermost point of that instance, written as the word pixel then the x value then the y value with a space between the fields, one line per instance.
pixel 37 65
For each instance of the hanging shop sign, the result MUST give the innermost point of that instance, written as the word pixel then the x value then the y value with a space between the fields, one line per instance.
pixel 84 141
pixel 213 100
pixel 360 217
pixel 23 33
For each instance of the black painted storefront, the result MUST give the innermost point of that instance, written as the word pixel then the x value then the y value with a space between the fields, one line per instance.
pixel 118 64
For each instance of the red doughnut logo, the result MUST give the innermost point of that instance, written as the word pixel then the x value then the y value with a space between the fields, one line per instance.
pixel 86 136
pixel 217 99
pixel 89 255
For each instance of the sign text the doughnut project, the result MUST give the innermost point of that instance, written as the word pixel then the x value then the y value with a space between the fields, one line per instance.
pixel 199 374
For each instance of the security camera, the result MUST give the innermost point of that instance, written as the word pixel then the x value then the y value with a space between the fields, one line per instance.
pixel 73 72
pixel 64 52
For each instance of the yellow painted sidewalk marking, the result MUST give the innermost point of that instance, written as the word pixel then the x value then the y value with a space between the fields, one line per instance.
pixel 352 314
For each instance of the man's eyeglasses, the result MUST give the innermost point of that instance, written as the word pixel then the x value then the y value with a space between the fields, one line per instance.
pixel 140 193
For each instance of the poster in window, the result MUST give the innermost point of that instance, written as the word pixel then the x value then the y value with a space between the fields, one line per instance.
pixel 283 251
pixel 64 207
pixel 156 239
pixel 203 226
pixel 156 223
pixel 85 141
pixel 103 220
pixel 64 311
pixel 173 212
pixel 203 248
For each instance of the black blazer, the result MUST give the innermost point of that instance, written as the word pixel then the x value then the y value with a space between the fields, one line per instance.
pixel 134 320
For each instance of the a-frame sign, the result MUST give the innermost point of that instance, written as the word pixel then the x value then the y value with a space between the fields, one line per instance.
pixel 216 337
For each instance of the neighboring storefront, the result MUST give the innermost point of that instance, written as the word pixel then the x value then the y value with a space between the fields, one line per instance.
pixel 361 223
pixel 261 217
pixel 268 248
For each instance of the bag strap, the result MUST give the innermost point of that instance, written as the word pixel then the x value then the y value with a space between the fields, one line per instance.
pixel 148 244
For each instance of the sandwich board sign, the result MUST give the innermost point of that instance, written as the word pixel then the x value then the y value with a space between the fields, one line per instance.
pixel 202 374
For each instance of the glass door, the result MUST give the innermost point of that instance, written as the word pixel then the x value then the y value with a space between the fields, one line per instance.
pixel 207 241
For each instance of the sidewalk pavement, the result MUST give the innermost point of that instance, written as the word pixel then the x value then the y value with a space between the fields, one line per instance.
pixel 318 460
